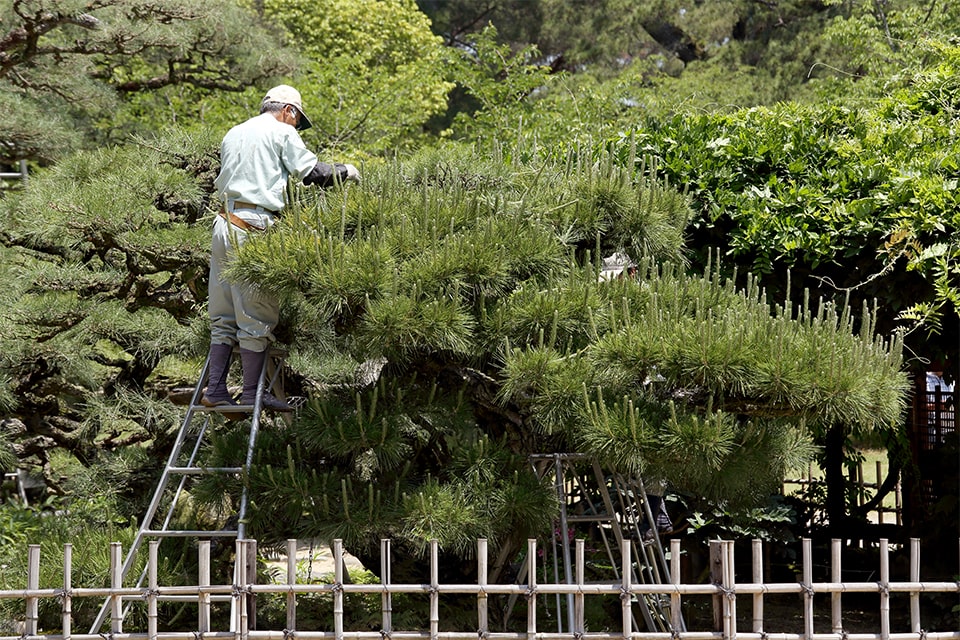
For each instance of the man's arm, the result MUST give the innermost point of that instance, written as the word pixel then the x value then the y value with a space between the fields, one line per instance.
pixel 323 174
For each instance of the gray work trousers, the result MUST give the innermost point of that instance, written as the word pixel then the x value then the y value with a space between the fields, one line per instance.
pixel 238 313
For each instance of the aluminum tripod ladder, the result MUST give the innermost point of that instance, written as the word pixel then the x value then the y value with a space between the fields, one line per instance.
pixel 613 508
pixel 185 463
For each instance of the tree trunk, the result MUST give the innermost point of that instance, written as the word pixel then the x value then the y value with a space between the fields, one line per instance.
pixel 833 472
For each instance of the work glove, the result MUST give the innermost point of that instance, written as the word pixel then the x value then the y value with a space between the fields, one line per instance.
pixel 352 173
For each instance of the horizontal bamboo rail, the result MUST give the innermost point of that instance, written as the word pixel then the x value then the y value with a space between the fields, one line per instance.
pixel 242 592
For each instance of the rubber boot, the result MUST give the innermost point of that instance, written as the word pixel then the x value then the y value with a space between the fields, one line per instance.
pixel 252 366
pixel 216 393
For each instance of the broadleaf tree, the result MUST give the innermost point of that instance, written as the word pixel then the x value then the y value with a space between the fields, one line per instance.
pixel 376 72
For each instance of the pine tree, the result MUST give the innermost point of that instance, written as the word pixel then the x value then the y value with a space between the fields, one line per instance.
pixel 450 322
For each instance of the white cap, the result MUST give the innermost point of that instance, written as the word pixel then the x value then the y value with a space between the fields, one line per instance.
pixel 288 95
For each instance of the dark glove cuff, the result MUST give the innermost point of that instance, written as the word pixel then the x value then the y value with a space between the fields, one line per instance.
pixel 322 174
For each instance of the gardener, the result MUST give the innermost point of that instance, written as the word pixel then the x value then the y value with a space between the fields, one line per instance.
pixel 256 159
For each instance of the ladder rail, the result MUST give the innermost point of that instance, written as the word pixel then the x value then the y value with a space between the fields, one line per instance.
pixel 269 377
pixel 613 505
pixel 251 443
pixel 157 494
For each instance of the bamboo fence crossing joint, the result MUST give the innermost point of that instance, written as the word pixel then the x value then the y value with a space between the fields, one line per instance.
pixel 243 591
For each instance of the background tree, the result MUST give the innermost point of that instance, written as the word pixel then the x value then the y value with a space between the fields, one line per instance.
pixel 65 64
pixel 376 72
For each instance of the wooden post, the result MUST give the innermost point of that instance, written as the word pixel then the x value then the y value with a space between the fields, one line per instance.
pixel 240 597
pixel 757 561
pixel 153 617
pixel 483 619
pixel 579 623
pixel 915 577
pixel 203 581
pixel 434 589
pixel 807 587
pixel 716 577
pixel 33 582
pixel 884 589
pixel 291 581
pixel 836 575
pixel 338 589
pixel 626 595
pixel 251 579
pixel 66 611
pixel 531 588
pixel 116 582
pixel 386 600
pixel 676 619
pixel 729 587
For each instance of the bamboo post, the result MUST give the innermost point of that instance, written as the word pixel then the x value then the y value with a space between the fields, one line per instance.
pixel 434 589
pixel 626 607
pixel 203 581
pixel 483 620
pixel 579 624
pixel 836 576
pixel 338 589
pixel 531 588
pixel 757 549
pixel 153 617
pixel 250 579
pixel 716 577
pixel 676 620
pixel 807 587
pixel 291 582
pixel 729 591
pixel 116 582
pixel 240 600
pixel 66 611
pixel 386 600
pixel 915 577
pixel 33 582
pixel 884 589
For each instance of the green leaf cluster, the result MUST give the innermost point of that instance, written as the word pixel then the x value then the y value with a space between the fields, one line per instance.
pixel 375 74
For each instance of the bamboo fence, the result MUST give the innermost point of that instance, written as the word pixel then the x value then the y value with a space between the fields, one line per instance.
pixel 724 590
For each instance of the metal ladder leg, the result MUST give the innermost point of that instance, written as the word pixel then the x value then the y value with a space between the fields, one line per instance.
pixel 269 379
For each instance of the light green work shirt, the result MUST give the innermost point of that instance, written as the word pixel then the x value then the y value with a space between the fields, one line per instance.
pixel 256 159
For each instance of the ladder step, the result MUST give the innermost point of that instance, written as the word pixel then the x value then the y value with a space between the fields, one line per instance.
pixel 199 471
pixel 596 518
pixel 186 533
pixel 227 408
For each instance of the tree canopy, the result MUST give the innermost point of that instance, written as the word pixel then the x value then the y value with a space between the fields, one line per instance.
pixel 66 66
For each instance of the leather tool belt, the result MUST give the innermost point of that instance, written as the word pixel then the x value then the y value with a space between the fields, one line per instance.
pixel 236 221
